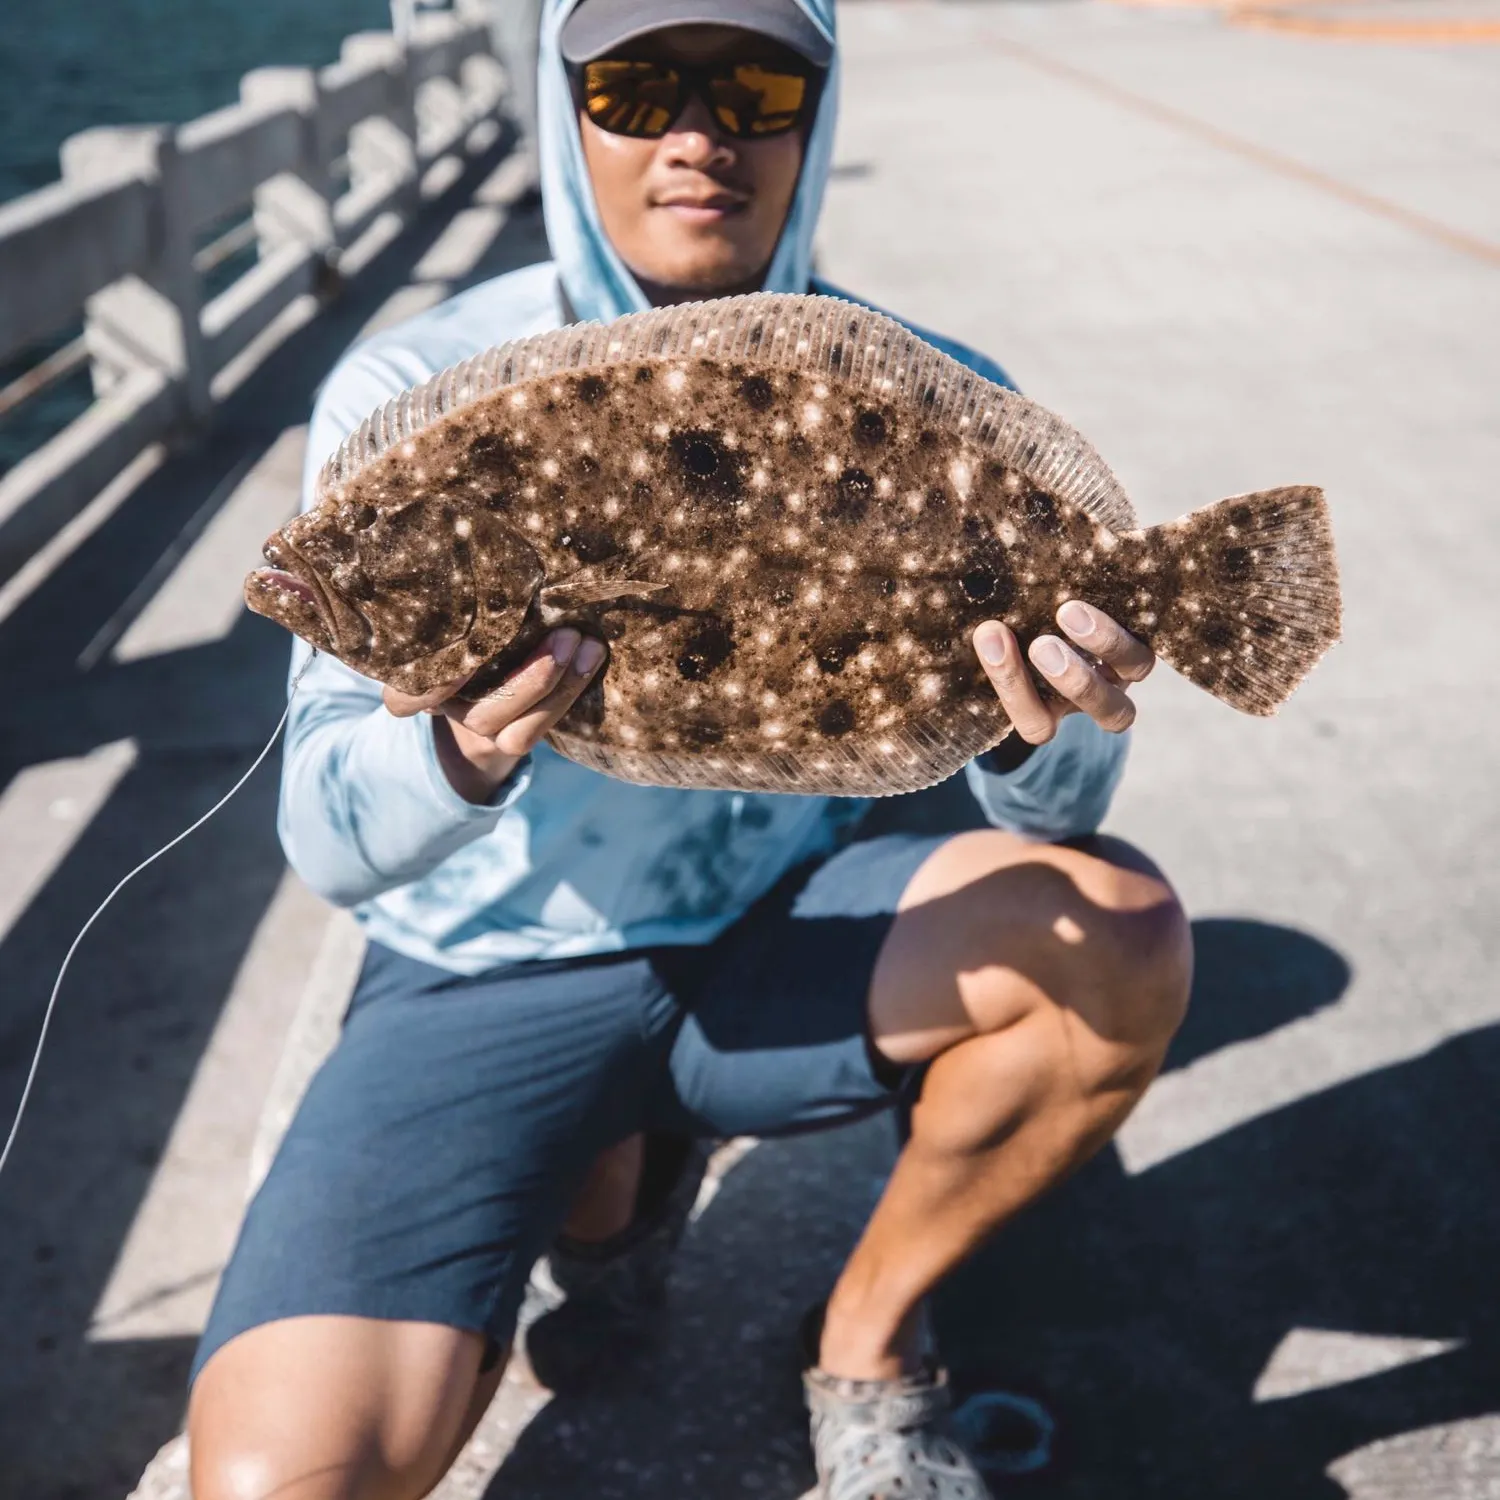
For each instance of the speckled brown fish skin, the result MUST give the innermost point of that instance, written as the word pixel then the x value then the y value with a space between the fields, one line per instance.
pixel 787 567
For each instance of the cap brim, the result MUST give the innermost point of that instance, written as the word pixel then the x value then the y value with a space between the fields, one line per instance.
pixel 597 27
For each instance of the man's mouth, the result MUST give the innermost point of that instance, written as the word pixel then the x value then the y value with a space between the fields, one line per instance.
pixel 704 208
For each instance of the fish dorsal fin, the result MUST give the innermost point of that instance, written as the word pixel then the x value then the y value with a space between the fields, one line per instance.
pixel 813 334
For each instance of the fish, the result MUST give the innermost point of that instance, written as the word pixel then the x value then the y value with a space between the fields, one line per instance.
pixel 784 515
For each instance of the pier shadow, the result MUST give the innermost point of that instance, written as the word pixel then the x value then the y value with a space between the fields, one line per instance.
pixel 80 1417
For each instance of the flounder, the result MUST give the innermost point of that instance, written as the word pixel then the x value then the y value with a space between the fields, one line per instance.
pixel 785 515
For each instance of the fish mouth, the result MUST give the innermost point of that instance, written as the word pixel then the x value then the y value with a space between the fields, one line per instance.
pixel 291 593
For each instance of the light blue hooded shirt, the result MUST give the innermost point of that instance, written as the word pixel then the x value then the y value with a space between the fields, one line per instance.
pixel 563 861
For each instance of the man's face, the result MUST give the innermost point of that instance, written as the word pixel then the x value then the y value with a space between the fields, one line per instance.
pixel 697 210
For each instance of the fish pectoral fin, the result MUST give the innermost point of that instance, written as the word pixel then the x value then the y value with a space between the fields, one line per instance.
pixel 588 589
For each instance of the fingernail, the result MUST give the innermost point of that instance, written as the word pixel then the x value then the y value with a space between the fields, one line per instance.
pixel 590 654
pixel 563 645
pixel 1049 656
pixel 1076 618
pixel 991 645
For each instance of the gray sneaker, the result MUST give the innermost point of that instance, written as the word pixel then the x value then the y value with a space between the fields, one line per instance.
pixel 590 1308
pixel 887 1440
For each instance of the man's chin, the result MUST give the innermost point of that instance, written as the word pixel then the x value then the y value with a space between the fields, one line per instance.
pixel 699 278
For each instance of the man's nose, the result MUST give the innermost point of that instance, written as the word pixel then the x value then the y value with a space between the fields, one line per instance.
pixel 696 139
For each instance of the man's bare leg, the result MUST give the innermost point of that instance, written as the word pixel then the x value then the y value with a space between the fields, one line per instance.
pixel 1044 983
pixel 334 1408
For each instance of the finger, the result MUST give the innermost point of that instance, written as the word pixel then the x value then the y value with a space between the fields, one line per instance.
pixel 519 693
pixel 1130 657
pixel 1107 705
pixel 1000 655
pixel 524 734
pixel 404 705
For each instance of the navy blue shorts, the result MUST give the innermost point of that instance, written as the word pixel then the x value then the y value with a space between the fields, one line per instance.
pixel 440 1146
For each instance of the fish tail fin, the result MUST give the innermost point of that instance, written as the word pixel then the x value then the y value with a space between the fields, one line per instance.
pixel 1258 600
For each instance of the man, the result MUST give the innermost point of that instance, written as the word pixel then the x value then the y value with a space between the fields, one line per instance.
pixel 567 974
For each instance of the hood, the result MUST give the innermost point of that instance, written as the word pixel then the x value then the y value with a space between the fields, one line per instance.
pixel 597 282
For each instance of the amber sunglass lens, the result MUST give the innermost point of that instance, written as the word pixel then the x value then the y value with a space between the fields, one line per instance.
pixel 631 98
pixel 754 100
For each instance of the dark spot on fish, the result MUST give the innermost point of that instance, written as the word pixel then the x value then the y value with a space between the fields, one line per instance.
pixel 937 498
pixel 614 627
pixel 359 588
pixel 589 544
pixel 887 587
pixel 837 718
pixel 493 451
pixel 836 356
pixel 869 429
pixel 979 585
pixel 927 438
pixel 1240 515
pixel 587 465
pixel 699 455
pixel 1272 517
pixel 708 469
pixel 641 490
pixel 898 691
pixel 701 734
pixel 929 396
pixel 832 652
pixel 1040 510
pixel 798 446
pixel 1264 627
pixel 758 392
pixel 1217 634
pixel 781 594
pixel 849 498
pixel 362 517
pixel 973 527
pixel 1030 450
pixel 1237 562
pixel 644 375
pixel 756 334
pixel 706 649
pixel 995 470
pixel 591 389
pixel 549 406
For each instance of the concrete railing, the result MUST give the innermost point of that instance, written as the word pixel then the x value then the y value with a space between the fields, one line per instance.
pixel 314 168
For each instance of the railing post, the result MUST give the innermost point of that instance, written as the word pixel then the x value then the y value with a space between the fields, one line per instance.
pixel 385 146
pixel 295 207
pixel 151 321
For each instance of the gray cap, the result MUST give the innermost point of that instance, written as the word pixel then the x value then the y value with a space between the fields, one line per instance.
pixel 599 26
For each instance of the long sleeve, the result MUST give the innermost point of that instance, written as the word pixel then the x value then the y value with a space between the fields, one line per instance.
pixel 1062 791
pixel 365 806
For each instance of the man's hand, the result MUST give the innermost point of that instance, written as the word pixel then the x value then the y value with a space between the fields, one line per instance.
pixel 480 744
pixel 1098 691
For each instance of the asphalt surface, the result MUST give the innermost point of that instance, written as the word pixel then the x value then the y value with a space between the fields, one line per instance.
pixel 1234 258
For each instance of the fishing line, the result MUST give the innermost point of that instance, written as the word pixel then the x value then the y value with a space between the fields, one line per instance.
pixel 192 828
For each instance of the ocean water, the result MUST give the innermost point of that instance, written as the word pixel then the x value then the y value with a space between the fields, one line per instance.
pixel 68 64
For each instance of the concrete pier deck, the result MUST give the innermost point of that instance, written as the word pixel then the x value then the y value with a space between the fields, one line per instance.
pixel 1234 257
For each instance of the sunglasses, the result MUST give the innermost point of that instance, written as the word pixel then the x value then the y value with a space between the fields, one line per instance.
pixel 748 100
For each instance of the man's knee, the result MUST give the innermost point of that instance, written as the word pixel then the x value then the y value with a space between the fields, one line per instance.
pixel 1132 970
pixel 331 1409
